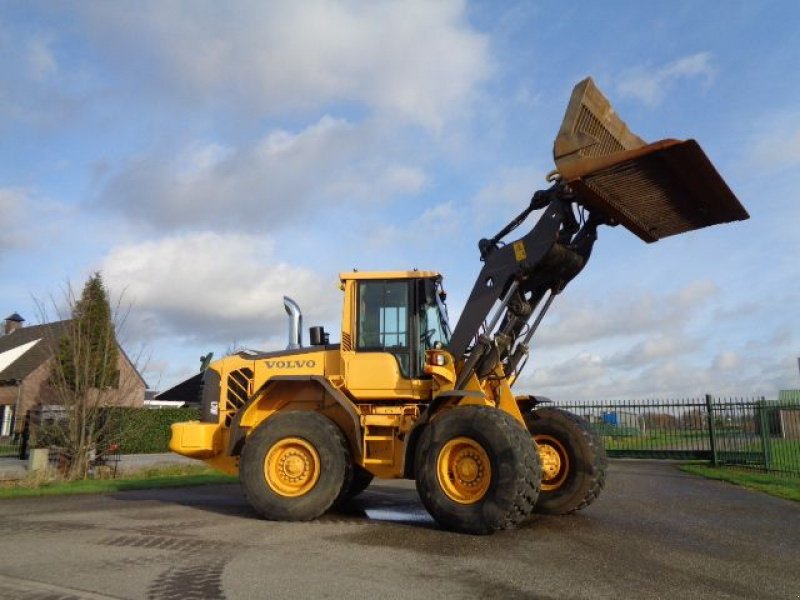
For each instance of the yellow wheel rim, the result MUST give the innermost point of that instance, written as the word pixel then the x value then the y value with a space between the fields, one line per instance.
pixel 291 467
pixel 555 462
pixel 464 470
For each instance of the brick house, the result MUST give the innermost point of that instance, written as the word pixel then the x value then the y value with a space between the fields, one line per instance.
pixel 26 354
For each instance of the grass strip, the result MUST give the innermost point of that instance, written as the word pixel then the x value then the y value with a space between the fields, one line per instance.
pixel 146 479
pixel 781 486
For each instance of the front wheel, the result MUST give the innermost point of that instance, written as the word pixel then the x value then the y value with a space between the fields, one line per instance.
pixel 573 460
pixel 294 466
pixel 477 470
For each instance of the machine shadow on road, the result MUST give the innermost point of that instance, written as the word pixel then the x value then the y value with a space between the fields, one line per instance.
pixel 385 504
pixel 377 504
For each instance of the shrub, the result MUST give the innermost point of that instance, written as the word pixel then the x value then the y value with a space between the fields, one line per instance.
pixel 146 431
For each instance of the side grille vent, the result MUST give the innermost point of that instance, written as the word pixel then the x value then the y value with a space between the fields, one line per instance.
pixel 239 388
pixel 347 342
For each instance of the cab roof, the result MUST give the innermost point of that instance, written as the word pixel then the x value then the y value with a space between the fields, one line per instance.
pixel 389 275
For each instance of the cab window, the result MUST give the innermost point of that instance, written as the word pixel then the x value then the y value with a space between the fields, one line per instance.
pixel 383 320
pixel 433 326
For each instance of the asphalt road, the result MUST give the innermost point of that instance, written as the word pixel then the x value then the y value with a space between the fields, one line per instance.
pixel 654 533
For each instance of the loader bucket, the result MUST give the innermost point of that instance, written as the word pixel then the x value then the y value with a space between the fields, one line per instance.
pixel 653 190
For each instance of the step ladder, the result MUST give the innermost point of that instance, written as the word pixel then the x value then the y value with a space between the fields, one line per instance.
pixel 380 438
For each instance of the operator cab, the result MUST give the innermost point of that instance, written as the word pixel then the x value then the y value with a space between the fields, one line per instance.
pixel 403 317
pixel 398 313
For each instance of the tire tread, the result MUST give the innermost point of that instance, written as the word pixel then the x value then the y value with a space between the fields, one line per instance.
pixel 523 487
pixel 269 505
pixel 595 457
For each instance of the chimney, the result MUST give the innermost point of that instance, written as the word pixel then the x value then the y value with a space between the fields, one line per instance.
pixel 13 322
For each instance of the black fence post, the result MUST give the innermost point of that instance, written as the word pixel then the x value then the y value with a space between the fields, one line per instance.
pixel 712 434
pixel 763 425
pixel 25 437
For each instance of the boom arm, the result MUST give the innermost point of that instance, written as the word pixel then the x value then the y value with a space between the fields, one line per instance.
pixel 609 176
pixel 519 275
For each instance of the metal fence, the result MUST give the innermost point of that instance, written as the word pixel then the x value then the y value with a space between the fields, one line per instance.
pixel 11 438
pixel 15 441
pixel 747 432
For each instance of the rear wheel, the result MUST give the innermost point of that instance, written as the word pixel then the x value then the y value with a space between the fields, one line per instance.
pixel 477 470
pixel 294 466
pixel 359 482
pixel 573 460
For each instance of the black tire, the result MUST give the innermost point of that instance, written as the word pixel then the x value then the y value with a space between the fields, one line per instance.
pixel 575 476
pixel 332 465
pixel 513 466
pixel 360 481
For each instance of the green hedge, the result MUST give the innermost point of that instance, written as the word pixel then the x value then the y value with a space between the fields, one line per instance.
pixel 144 430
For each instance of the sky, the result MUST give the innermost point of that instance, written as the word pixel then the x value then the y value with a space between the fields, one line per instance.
pixel 208 158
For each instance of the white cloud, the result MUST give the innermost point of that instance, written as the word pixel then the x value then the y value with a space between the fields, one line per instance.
pixel 670 354
pixel 323 166
pixel 198 159
pixel 439 214
pixel 209 286
pixel 405 179
pixel 11 217
pixel 578 371
pixel 641 346
pixel 417 60
pixel 655 347
pixel 40 59
pixel 33 88
pixel 775 145
pixel 36 224
pixel 27 220
pixel 650 85
pixel 727 361
pixel 436 223
pixel 506 194
pixel 592 376
pixel 620 316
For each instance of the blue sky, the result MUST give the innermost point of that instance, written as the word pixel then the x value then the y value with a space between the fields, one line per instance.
pixel 209 158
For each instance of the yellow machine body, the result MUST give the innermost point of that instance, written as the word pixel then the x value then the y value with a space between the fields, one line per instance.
pixel 363 392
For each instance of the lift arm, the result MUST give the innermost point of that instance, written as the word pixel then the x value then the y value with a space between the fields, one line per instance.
pixel 518 276
pixel 606 175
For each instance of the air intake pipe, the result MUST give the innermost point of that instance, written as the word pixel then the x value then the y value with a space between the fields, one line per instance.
pixel 295 323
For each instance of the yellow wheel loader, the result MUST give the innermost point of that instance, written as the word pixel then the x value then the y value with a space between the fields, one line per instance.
pixel 404 396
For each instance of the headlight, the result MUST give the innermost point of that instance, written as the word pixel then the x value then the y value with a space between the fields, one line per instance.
pixel 438 359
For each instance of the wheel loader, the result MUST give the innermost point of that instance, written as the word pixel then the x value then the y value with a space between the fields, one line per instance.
pixel 402 395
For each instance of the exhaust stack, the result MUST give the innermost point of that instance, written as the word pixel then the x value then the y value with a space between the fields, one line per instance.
pixel 295 323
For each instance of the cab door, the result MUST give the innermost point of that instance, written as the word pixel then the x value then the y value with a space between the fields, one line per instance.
pixel 384 362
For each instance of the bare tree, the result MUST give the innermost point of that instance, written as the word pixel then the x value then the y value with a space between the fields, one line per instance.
pixel 694 418
pixel 86 375
pixel 661 421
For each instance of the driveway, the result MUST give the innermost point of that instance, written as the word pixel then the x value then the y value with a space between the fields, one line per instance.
pixel 654 533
